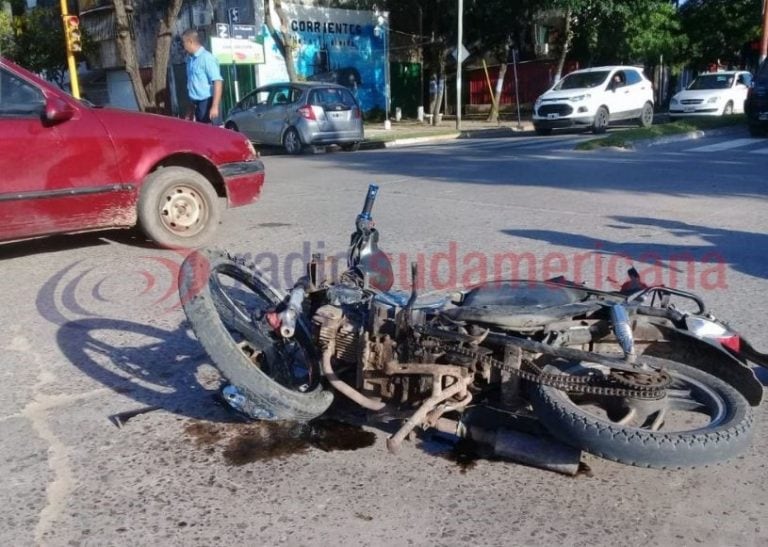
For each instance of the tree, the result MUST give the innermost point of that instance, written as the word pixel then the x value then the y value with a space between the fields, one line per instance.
pixel 653 32
pixel 152 96
pixel 281 37
pixel 7 34
pixel 719 29
pixel 496 28
pixel 41 43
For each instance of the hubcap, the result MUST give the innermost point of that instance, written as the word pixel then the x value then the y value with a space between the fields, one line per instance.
pixel 183 211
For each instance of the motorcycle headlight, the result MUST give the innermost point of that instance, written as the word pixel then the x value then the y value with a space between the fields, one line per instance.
pixel 713 100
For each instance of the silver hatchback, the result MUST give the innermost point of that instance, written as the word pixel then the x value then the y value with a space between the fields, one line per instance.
pixel 296 115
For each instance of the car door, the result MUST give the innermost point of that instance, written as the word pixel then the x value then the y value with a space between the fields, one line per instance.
pixel 740 91
pixel 274 115
pixel 637 94
pixel 249 119
pixel 57 175
pixel 614 94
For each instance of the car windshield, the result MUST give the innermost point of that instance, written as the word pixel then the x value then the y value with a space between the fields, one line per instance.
pixel 712 81
pixel 582 79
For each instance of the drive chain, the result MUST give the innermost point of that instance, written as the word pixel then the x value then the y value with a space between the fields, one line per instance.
pixel 646 385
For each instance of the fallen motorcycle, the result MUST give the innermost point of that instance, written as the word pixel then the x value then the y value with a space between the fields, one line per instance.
pixel 633 376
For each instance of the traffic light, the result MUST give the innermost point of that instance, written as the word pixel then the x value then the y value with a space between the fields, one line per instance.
pixel 72 30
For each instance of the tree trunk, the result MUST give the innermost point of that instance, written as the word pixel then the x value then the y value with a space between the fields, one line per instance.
pixel 493 116
pixel 126 45
pixel 440 90
pixel 284 43
pixel 153 96
pixel 159 83
pixel 567 36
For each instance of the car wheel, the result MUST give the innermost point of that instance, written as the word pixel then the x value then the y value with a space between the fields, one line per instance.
pixel 646 117
pixel 351 147
pixel 601 121
pixel 178 208
pixel 231 125
pixel 728 110
pixel 292 141
pixel 543 131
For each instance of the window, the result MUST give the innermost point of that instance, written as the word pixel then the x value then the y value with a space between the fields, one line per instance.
pixel 582 79
pixel 19 98
pixel 745 78
pixel 332 98
pixel 633 77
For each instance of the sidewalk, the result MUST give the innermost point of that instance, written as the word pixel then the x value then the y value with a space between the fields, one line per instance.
pixel 408 132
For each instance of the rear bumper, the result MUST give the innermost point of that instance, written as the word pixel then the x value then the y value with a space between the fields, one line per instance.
pixel 332 137
pixel 243 181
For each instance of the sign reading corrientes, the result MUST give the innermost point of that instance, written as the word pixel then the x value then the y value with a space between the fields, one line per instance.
pixel 347 47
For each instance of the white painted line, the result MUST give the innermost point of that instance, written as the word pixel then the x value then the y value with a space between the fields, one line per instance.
pixel 725 145
pixel 759 151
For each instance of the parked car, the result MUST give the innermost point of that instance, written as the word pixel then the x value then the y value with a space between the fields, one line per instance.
pixel 712 94
pixel 69 166
pixel 296 115
pixel 593 98
pixel 756 105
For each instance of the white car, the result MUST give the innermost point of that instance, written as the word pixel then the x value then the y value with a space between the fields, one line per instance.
pixel 712 94
pixel 593 98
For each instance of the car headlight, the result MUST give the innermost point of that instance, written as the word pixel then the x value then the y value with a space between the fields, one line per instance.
pixel 537 104
pixel 673 100
pixel 713 100
pixel 579 98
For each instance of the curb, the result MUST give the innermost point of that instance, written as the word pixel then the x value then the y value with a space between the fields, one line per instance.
pixel 466 134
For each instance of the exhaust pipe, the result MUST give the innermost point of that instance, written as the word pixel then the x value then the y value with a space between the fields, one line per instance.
pixel 536 451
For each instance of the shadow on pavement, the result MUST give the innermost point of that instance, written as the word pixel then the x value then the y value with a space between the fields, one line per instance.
pixel 65 242
pixel 153 366
pixel 735 249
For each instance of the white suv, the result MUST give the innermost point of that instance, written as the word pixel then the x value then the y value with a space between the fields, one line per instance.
pixel 594 97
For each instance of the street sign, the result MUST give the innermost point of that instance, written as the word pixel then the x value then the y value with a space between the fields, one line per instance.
pixel 464 53
pixel 222 30
pixel 244 32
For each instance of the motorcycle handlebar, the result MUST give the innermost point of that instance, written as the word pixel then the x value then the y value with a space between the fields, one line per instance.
pixel 369 199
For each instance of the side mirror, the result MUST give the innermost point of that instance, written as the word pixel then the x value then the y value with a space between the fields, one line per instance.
pixel 58 110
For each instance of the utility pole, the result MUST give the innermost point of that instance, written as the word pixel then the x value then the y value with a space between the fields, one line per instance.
pixel 73 43
pixel 764 41
pixel 459 49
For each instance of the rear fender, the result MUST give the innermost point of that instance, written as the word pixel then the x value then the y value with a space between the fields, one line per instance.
pixel 683 347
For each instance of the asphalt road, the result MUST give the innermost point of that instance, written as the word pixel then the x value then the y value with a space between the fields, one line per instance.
pixel 91 329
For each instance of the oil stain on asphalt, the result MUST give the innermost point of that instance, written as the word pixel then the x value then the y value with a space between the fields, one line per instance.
pixel 245 443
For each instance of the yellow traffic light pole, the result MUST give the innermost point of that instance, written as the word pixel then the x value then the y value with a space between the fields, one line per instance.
pixel 70 55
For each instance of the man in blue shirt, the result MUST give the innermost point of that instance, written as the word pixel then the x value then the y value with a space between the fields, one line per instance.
pixel 204 81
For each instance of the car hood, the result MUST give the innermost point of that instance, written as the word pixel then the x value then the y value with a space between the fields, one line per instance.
pixel 700 93
pixel 564 94
pixel 153 131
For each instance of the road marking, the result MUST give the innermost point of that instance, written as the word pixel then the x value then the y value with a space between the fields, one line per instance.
pixel 726 145
pixel 759 151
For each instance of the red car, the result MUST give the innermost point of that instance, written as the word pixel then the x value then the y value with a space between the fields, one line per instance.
pixel 68 166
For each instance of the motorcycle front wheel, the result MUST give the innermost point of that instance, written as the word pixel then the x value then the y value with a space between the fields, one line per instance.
pixel 226 303
pixel 701 420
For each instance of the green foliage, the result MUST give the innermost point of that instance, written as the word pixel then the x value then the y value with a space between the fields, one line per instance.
pixel 7 35
pixel 626 138
pixel 718 29
pixel 41 43
pixel 653 30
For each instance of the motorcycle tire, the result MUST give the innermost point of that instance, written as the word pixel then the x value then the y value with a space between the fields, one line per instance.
pixel 220 324
pixel 727 433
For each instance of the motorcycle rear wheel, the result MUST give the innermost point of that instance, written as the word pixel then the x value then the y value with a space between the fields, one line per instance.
pixel 225 302
pixel 702 420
